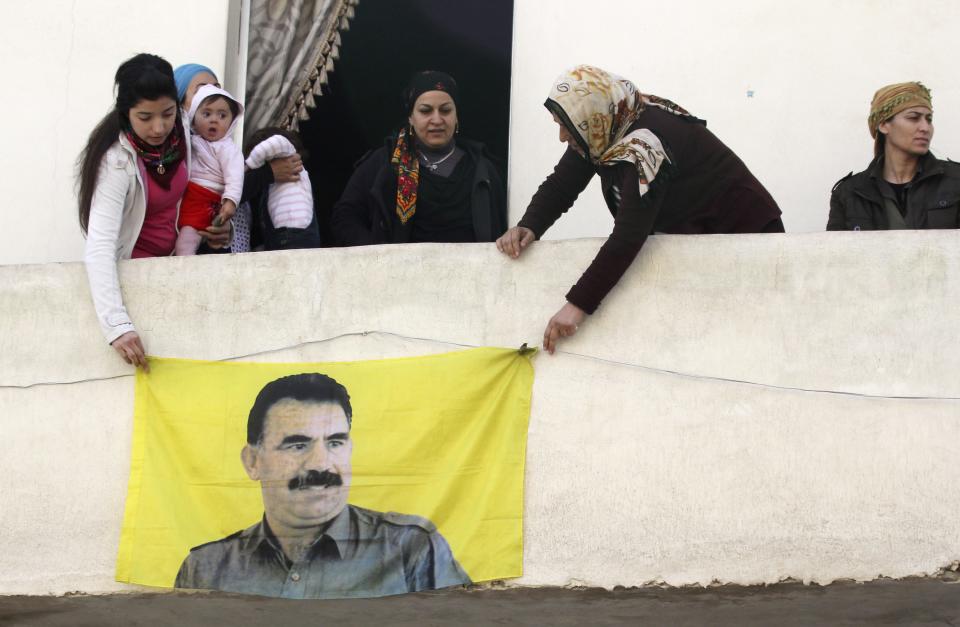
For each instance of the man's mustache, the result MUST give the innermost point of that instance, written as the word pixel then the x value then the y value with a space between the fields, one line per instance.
pixel 316 478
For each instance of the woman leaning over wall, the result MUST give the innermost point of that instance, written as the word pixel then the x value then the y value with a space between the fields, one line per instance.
pixel 132 174
pixel 660 170
pixel 905 186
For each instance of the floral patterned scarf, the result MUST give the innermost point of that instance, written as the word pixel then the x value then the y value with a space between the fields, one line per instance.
pixel 161 161
pixel 405 161
pixel 598 108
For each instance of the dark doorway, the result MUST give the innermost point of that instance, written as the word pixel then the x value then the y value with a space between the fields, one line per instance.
pixel 387 42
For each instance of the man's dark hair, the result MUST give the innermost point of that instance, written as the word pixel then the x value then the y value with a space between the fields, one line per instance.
pixel 308 387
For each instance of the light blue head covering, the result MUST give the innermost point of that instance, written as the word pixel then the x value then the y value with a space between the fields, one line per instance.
pixel 185 73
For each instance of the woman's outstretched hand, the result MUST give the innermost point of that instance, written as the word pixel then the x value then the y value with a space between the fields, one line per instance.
pixel 564 323
pixel 515 240
pixel 131 349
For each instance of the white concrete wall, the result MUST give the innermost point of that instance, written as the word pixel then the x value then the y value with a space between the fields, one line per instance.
pixel 633 475
pixel 813 67
pixel 59 61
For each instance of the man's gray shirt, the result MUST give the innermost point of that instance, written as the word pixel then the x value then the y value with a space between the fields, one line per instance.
pixel 362 553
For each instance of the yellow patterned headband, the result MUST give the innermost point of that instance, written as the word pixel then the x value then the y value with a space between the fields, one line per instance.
pixel 892 99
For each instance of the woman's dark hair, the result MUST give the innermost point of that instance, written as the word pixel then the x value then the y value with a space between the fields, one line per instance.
pixel 879 144
pixel 269 131
pixel 143 77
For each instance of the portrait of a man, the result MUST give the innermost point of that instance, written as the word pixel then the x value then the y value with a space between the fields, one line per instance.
pixel 311 543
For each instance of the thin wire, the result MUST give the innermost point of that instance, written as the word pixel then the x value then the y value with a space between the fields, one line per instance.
pixel 71 382
pixel 343 335
pixel 664 371
pixel 267 351
pixel 771 386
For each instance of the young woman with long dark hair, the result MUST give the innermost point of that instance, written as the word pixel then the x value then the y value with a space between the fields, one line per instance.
pixel 132 174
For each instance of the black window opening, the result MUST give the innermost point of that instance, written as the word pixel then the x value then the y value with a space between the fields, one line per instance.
pixel 387 42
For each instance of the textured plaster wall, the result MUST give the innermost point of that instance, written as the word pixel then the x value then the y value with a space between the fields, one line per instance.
pixel 634 475
pixel 59 59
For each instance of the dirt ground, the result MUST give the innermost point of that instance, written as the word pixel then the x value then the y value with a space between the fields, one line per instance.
pixel 885 602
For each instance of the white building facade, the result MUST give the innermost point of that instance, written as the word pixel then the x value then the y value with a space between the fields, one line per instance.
pixel 786 85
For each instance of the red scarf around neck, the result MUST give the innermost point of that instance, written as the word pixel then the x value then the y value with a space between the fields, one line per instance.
pixel 162 161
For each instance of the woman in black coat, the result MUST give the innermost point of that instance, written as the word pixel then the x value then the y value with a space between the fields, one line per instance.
pixel 425 184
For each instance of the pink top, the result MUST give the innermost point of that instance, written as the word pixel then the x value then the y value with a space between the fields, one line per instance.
pixel 158 235
pixel 218 166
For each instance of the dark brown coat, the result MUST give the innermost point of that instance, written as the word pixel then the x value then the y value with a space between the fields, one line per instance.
pixel 705 188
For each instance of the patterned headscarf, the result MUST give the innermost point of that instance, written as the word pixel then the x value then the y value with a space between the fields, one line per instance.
pixel 892 99
pixel 598 108
pixel 161 162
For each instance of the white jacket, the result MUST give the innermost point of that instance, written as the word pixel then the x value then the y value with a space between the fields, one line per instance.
pixel 117 211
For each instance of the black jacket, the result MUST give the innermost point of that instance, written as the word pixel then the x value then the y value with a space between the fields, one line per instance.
pixel 366 212
pixel 933 198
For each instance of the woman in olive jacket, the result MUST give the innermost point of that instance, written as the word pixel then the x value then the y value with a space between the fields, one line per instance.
pixel 905 186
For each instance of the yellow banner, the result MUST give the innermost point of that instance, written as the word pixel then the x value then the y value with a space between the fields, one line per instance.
pixel 327 480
